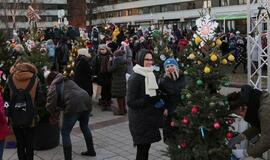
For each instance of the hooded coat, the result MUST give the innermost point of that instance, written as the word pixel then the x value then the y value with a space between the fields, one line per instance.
pixel 75 99
pixel 83 74
pixel 144 119
pixel 118 69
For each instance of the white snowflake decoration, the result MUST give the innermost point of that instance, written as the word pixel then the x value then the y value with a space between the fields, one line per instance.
pixel 206 27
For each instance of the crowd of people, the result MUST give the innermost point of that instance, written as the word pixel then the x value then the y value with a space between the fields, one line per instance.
pixel 120 60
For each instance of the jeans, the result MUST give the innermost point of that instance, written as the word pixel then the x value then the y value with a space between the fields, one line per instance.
pixel 2 146
pixel 25 142
pixel 69 122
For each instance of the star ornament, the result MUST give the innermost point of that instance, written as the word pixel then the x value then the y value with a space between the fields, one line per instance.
pixel 206 27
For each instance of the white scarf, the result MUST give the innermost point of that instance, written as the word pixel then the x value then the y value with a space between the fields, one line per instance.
pixel 150 79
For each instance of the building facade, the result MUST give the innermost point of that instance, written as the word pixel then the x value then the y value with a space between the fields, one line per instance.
pixel 13 12
pixel 231 14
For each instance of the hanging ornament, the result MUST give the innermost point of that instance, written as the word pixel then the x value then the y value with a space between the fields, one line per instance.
pixel 202 132
pixel 172 124
pixel 226 83
pixel 217 125
pixel 199 82
pixel 212 104
pixel 206 70
pixel 183 97
pixel 191 56
pixel 230 121
pixel 218 42
pixel 185 120
pixel 224 61
pixel 185 72
pixel 188 95
pixel 229 135
pixel 198 40
pixel 231 58
pixel 183 145
pixel 194 110
pixel 199 62
pixel 213 57
pixel 162 57
pixel 65 73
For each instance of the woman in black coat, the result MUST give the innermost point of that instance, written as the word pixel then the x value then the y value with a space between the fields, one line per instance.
pixel 118 67
pixel 145 116
pixel 83 71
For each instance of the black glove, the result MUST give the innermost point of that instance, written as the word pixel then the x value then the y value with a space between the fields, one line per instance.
pixel 235 140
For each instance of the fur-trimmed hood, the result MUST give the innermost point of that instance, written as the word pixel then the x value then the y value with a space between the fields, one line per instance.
pixel 23 71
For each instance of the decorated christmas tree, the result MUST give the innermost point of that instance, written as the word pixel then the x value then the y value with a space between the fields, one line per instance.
pixel 160 40
pixel 69 70
pixel 202 125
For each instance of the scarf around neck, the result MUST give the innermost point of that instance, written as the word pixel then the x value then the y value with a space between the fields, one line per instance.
pixel 150 79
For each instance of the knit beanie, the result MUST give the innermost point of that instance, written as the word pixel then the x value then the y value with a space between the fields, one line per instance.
pixel 170 61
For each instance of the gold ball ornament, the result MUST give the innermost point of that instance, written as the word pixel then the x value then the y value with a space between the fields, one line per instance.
pixel 231 58
pixel 198 40
pixel 191 56
pixel 199 62
pixel 213 57
pixel 218 42
pixel 224 61
pixel 206 70
pixel 72 64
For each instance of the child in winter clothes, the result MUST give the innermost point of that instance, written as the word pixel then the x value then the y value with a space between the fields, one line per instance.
pixel 171 85
pixel 117 66
pixel 4 129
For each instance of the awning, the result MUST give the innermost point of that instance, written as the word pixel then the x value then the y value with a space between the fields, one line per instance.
pixel 232 16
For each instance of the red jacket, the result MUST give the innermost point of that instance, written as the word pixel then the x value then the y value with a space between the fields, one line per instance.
pixel 4 129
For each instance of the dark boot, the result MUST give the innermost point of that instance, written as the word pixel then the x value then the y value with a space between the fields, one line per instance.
pixel 124 105
pixel 67 152
pixel 90 148
pixel 119 110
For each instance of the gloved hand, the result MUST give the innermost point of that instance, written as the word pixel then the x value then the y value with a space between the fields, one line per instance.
pixel 235 140
pixel 159 104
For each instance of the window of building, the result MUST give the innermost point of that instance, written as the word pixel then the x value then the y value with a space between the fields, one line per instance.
pixel 207 4
pixel 242 1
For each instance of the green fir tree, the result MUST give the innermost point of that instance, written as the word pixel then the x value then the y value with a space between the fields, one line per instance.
pixel 202 123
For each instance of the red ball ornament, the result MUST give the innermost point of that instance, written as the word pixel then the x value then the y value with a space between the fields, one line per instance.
pixel 183 145
pixel 229 135
pixel 185 120
pixel 217 125
pixel 230 121
pixel 194 110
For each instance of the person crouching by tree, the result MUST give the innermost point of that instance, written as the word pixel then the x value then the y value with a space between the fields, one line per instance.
pixel 75 103
pixel 22 96
pixel 104 77
pixel 254 106
pixel 171 86
pixel 144 113
pixel 118 67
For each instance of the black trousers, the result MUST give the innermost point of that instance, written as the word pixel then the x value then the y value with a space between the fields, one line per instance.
pixel 106 92
pixel 25 142
pixel 142 151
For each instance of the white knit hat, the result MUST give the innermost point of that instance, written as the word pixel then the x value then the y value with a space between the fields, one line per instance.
pixel 84 52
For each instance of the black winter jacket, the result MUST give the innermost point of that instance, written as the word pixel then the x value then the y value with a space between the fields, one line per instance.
pixel 144 119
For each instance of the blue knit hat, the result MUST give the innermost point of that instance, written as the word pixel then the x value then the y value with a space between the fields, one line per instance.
pixel 170 61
